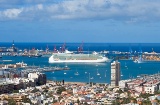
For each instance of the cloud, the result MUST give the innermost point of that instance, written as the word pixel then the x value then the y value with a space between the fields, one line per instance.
pixel 12 13
pixel 124 10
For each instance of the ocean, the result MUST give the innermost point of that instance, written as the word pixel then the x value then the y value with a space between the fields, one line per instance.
pixel 129 69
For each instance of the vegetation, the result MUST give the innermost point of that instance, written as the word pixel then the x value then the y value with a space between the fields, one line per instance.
pixel 145 95
pixel 116 102
pixel 119 91
pixel 11 101
pixel 46 90
pixel 146 102
pixel 157 92
pixel 158 101
pixel 15 91
pixel 26 100
pixel 60 90
pixel 34 90
pixel 78 101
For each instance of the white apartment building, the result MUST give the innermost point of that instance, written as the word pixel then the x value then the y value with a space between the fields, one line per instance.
pixel 115 73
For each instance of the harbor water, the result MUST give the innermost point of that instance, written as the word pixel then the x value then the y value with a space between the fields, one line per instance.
pixel 85 72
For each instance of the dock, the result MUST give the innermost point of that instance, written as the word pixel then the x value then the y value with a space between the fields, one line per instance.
pixel 45 69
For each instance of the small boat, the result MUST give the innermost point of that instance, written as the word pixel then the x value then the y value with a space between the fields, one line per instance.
pixel 35 55
pixel 138 76
pixel 105 74
pixel 98 72
pixel 125 65
pixel 76 73
pixel 121 74
pixel 91 78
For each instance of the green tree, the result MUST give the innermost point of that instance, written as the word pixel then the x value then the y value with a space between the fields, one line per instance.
pixel 34 90
pixel 133 100
pixel 157 92
pixel 126 100
pixel 116 102
pixel 15 91
pixel 54 101
pixel 119 91
pixel 146 102
pixel 11 101
pixel 158 101
pixel 145 95
pixel 26 100
pixel 60 90
pixel 78 101
pixel 46 90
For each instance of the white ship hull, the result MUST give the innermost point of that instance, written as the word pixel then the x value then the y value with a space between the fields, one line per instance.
pixel 104 59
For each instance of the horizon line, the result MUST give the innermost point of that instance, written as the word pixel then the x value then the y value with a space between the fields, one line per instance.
pixel 88 42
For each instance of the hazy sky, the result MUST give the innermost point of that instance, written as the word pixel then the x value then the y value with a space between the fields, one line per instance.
pixel 130 21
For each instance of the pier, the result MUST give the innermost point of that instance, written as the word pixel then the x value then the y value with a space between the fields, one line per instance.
pixel 45 69
pixel 21 66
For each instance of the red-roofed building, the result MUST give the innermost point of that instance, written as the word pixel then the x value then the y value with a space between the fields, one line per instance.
pixel 135 83
pixel 58 103
pixel 151 86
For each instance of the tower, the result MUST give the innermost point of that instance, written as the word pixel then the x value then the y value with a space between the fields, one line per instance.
pixel 13 44
pixel 115 73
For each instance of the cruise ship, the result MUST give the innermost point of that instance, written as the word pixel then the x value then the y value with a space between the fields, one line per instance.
pixel 70 57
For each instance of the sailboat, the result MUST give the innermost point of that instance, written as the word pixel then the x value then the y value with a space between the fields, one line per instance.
pixel 105 74
pixel 65 73
pixel 91 78
pixel 138 76
pixel 76 73
pixel 0 55
pixel 125 65
pixel 121 74
pixel 66 68
pixel 98 72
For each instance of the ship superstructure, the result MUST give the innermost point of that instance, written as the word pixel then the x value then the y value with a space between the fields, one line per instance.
pixel 70 57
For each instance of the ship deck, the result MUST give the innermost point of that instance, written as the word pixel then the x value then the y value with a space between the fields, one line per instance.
pixel 77 56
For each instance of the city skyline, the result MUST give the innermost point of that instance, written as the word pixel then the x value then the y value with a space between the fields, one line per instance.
pixel 106 21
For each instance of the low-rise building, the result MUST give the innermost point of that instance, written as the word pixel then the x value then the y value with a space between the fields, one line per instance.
pixel 151 86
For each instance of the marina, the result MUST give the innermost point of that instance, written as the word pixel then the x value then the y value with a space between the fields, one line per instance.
pixel 99 72
pixel 45 69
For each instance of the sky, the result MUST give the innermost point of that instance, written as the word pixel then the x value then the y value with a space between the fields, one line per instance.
pixel 100 21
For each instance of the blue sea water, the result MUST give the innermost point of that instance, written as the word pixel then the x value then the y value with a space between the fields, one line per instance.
pixel 129 69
